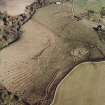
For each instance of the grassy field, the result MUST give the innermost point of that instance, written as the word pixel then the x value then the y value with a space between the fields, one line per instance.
pixel 90 4
pixel 84 86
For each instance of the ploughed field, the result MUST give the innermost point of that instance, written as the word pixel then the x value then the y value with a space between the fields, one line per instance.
pixel 52 44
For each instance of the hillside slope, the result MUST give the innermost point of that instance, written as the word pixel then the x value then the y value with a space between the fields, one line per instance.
pixel 53 43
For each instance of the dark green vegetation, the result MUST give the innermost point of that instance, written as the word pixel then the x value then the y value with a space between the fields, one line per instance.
pixel 7 98
pixel 10 29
